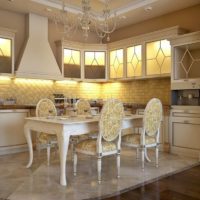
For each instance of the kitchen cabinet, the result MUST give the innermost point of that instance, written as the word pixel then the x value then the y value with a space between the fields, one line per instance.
pixel 158 58
pixel 12 138
pixel 134 61
pixel 144 56
pixel 186 61
pixel 94 65
pixel 71 63
pixel 82 62
pixel 116 63
pixel 185 130
pixel 6 51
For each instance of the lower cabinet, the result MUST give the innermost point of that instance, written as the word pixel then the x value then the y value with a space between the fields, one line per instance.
pixel 12 138
pixel 185 131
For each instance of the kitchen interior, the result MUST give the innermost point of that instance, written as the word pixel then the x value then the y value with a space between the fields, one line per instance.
pixel 152 53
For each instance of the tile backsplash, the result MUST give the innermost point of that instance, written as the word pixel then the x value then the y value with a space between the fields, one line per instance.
pixel 28 91
pixel 139 91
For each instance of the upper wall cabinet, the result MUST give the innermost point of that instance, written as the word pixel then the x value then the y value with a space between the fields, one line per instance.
pixel 143 56
pixel 6 51
pixel 158 57
pixel 94 64
pixel 72 63
pixel 116 68
pixel 82 62
pixel 134 61
pixel 186 62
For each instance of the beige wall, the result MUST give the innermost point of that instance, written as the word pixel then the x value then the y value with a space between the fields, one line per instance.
pixel 187 18
pixel 31 91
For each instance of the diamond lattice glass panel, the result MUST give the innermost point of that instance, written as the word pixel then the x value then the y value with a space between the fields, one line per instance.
pixel 95 65
pixel 116 63
pixel 134 63
pixel 72 66
pixel 187 60
pixel 5 55
pixel 158 56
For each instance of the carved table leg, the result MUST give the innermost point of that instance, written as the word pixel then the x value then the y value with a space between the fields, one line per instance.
pixel 63 143
pixel 27 133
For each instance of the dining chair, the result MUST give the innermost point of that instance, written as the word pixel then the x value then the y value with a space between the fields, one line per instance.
pixel 108 141
pixel 150 133
pixel 83 107
pixel 46 108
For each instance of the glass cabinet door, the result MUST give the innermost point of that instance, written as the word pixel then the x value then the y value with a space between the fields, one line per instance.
pixel 72 63
pixel 134 61
pixel 187 61
pixel 95 64
pixel 158 57
pixel 5 55
pixel 116 63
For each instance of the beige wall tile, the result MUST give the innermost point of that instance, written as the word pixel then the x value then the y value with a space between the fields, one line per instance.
pixel 28 91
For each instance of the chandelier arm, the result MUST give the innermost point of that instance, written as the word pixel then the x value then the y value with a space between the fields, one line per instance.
pixel 104 25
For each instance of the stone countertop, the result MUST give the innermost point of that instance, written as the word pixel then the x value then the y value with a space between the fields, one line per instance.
pixel 16 106
pixel 133 106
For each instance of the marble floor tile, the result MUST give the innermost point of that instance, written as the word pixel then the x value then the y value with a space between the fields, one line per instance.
pixel 41 182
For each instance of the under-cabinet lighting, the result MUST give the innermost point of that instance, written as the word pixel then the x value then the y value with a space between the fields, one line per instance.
pixel 32 81
pixel 67 82
pixel 5 78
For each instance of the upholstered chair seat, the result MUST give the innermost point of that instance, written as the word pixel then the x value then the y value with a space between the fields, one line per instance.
pixel 135 139
pixel 90 146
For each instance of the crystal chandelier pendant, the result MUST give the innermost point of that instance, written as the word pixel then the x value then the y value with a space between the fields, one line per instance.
pixel 87 21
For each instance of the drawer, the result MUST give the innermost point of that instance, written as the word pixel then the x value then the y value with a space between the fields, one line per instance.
pixel 185 113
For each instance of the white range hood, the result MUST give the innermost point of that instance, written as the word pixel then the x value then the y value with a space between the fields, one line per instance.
pixel 38 60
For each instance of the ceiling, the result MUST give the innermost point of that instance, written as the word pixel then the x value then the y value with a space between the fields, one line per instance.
pixel 131 11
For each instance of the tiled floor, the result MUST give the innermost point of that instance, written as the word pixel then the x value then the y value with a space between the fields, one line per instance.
pixel 41 182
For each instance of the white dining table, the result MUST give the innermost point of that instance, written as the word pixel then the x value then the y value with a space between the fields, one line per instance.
pixel 64 127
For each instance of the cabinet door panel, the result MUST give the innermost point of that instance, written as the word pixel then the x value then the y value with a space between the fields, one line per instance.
pixel 12 128
pixel 186 135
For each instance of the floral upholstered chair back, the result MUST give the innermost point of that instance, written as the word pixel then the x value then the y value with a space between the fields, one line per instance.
pixel 45 108
pixel 153 117
pixel 111 120
pixel 83 107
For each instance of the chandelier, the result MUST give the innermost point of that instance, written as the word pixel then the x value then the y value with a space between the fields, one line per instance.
pixel 87 21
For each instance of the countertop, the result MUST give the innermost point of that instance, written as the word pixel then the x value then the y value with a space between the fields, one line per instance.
pixel 15 106
pixel 33 106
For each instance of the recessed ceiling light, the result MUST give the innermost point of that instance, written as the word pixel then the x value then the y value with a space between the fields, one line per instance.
pixel 11 0
pixel 148 8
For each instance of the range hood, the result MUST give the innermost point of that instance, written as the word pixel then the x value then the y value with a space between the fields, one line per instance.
pixel 38 60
